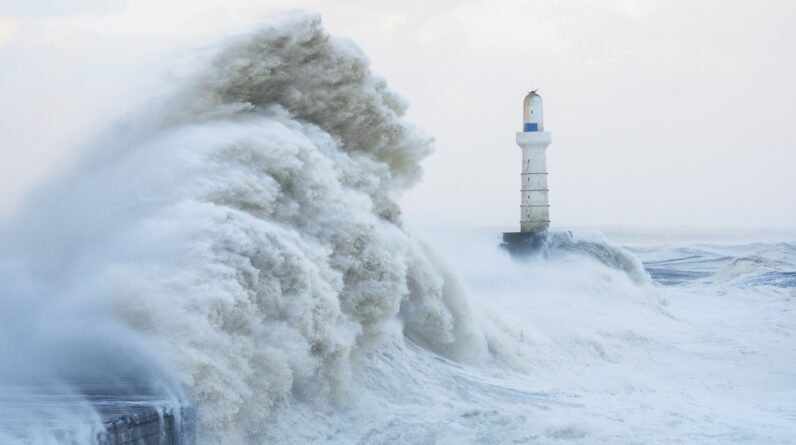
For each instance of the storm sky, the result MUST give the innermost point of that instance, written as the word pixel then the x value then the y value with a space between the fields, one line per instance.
pixel 663 113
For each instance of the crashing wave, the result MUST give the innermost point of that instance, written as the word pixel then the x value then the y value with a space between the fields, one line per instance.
pixel 245 228
pixel 594 245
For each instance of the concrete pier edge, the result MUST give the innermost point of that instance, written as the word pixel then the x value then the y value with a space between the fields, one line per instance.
pixel 148 426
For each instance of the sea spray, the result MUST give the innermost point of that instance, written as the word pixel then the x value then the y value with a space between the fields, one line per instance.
pixel 235 248
pixel 244 230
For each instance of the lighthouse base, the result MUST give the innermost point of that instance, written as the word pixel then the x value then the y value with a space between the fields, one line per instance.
pixel 523 244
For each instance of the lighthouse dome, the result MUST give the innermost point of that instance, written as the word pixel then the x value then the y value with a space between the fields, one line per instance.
pixel 532 119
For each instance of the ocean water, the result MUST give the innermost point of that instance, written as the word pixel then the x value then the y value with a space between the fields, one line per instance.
pixel 702 351
pixel 236 248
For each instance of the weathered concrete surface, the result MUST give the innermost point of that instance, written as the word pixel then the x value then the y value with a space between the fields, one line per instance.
pixel 534 206
pixel 92 414
pixel 523 244
pixel 141 426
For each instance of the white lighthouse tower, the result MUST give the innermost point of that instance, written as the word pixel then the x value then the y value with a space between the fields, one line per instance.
pixel 533 140
pixel 534 207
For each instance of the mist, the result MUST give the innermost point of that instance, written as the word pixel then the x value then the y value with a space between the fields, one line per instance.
pixel 655 105
pixel 253 233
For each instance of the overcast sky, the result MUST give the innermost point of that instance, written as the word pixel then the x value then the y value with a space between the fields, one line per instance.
pixel 663 113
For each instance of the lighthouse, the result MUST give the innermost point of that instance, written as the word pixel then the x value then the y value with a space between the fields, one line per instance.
pixel 534 207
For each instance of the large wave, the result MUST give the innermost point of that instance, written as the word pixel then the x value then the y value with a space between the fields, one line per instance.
pixel 240 238
pixel 236 248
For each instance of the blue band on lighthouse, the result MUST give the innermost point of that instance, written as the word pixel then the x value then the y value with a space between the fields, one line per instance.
pixel 530 126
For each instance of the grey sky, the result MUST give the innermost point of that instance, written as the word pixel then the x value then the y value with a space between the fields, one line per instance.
pixel 662 112
pixel 59 8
